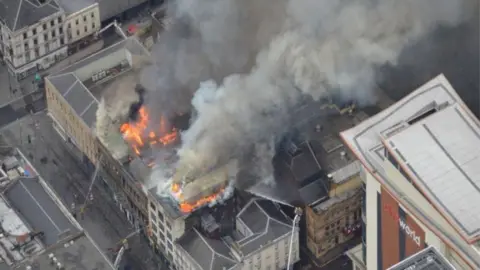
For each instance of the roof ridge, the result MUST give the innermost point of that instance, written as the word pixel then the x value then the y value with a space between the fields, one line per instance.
pixel 16 17
pixel 213 250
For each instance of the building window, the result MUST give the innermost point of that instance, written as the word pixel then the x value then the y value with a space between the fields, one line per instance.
pixel 78 32
pixel 52 23
pixel 53 33
pixel 59 19
pixel 26 46
pixel 44 26
pixel 25 35
pixel 45 37
pixel 76 21
pixel 62 42
pixel 93 25
pixel 160 215
pixel 35 41
pixel 47 49
pixel 85 28
pixel 60 30
pixel 37 53
pixel 92 15
pixel 34 31
pixel 152 205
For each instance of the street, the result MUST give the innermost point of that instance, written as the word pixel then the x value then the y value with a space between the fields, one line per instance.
pixel 103 221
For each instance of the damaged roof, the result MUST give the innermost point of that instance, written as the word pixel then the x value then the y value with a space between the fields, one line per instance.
pixel 207 253
pixel 17 14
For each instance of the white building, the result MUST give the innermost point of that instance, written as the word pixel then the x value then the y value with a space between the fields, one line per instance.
pixel 35 33
pixel 261 241
pixel 32 35
pixel 82 20
pixel 421 167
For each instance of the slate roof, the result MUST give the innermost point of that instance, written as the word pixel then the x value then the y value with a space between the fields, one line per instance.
pixel 17 14
pixel 72 6
pixel 112 8
pixel 208 254
pixel 426 259
pixel 33 204
pixel 299 179
pixel 266 222
pixel 77 95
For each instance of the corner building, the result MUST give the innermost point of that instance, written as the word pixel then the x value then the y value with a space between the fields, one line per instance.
pixel 421 173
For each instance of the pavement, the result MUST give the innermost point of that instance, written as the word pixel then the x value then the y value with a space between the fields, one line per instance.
pixel 57 164
pixel 11 89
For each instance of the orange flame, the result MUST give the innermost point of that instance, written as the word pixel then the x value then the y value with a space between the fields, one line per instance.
pixel 137 136
pixel 189 207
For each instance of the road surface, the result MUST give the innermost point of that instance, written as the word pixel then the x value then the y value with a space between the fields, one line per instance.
pixel 102 219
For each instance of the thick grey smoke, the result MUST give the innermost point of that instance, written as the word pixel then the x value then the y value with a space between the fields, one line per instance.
pixel 324 47
pixel 209 39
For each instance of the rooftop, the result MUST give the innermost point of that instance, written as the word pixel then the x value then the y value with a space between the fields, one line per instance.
pixel 302 169
pixel 76 252
pixel 72 6
pixel 17 14
pixel 207 253
pixel 437 149
pixel 264 224
pixel 426 259
pixel 83 83
pixel 38 209
pixel 451 119
pixel 112 8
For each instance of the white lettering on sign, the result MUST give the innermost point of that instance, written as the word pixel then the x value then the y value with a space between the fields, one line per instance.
pixel 403 225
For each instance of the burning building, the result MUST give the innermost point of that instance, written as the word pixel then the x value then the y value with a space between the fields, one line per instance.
pixel 257 73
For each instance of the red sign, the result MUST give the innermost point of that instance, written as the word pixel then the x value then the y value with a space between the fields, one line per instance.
pixel 403 224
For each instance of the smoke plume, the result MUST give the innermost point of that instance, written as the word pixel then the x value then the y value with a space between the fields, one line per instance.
pixel 321 47
pixel 209 39
pixel 114 109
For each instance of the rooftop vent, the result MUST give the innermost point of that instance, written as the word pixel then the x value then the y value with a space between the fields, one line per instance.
pixel 293 149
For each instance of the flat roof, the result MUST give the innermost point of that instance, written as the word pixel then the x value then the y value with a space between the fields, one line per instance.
pixel 441 154
pixel 33 204
pixel 365 140
pixel 76 252
pixel 426 259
